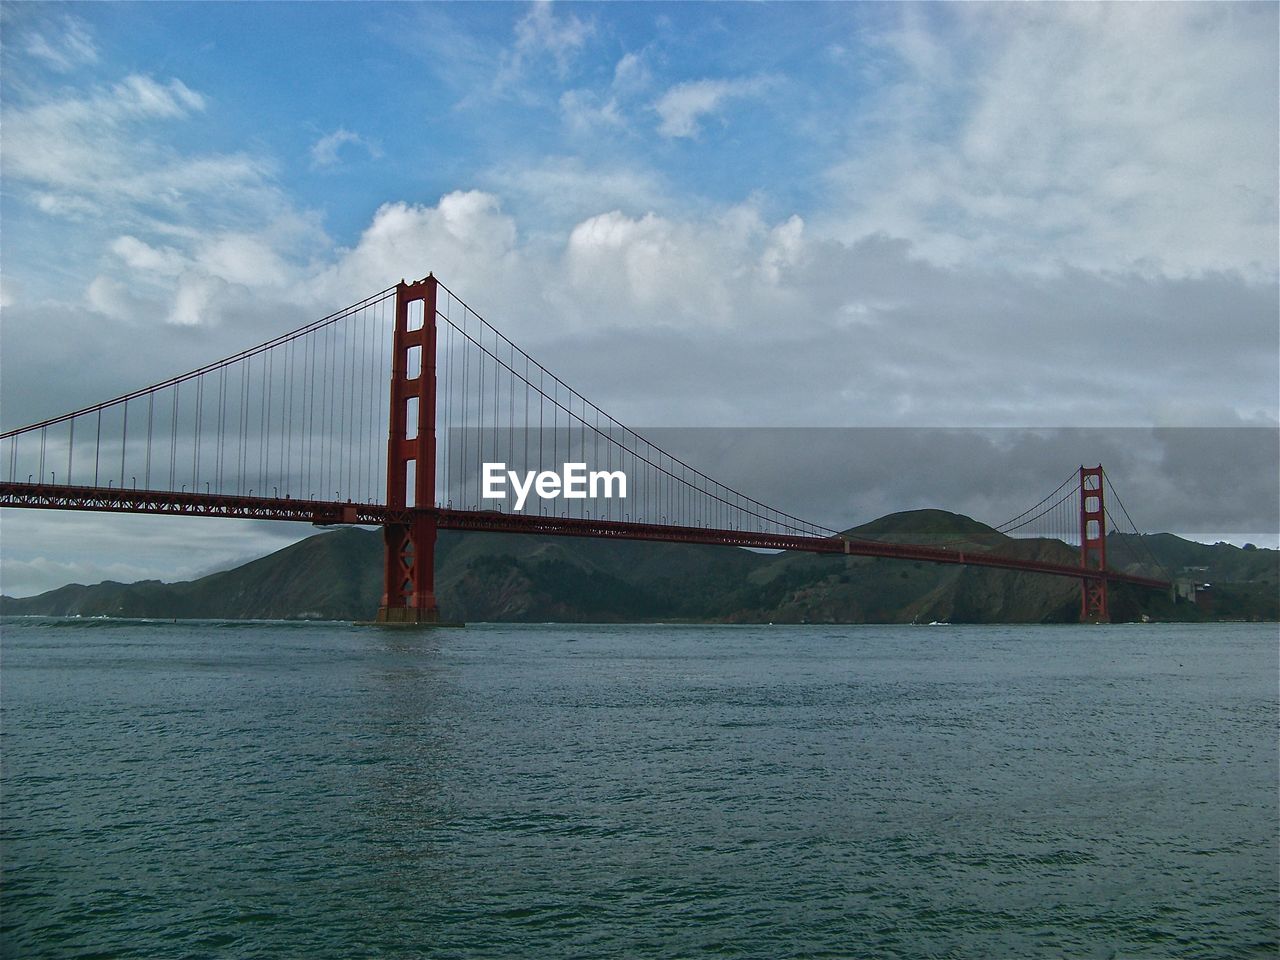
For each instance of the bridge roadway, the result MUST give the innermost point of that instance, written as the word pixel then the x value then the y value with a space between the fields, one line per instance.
pixel 327 512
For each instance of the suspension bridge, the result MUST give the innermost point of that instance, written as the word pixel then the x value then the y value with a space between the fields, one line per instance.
pixel 385 413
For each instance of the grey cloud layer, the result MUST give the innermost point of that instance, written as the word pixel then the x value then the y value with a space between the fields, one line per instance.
pixel 1043 216
pixel 652 318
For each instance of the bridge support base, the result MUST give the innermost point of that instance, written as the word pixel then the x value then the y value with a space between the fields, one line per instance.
pixel 409 555
pixel 393 622
pixel 1093 605
pixel 405 617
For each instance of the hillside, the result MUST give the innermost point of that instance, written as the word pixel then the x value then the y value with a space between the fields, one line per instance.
pixel 496 577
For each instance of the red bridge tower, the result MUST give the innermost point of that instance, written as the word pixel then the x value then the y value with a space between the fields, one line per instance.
pixel 1093 547
pixel 410 533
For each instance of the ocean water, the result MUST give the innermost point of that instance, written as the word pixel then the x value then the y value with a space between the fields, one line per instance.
pixel 323 790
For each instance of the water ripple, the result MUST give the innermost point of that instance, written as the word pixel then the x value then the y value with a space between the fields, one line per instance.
pixel 318 790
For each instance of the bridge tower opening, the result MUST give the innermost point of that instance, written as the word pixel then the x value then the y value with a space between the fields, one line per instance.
pixel 410 531
pixel 1093 547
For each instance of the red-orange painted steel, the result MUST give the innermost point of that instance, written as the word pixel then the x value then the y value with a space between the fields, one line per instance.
pixel 494 522
pixel 325 512
pixel 409 552
pixel 1093 546
pixel 183 503
pixel 410 527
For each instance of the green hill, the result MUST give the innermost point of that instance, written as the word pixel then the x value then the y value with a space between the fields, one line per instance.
pixel 503 577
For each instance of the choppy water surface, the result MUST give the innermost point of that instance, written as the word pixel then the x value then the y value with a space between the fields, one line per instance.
pixel 186 790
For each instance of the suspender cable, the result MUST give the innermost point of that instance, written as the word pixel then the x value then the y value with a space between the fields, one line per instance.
pixel 124 441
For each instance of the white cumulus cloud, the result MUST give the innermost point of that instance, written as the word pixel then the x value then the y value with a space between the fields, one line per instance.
pixel 1109 137
pixel 541 32
pixel 94 153
pixel 683 107
pixel 325 151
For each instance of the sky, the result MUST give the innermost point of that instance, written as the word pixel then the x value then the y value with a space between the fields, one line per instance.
pixel 1023 218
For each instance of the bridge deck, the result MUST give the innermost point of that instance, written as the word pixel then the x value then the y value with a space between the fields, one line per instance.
pixel 326 512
